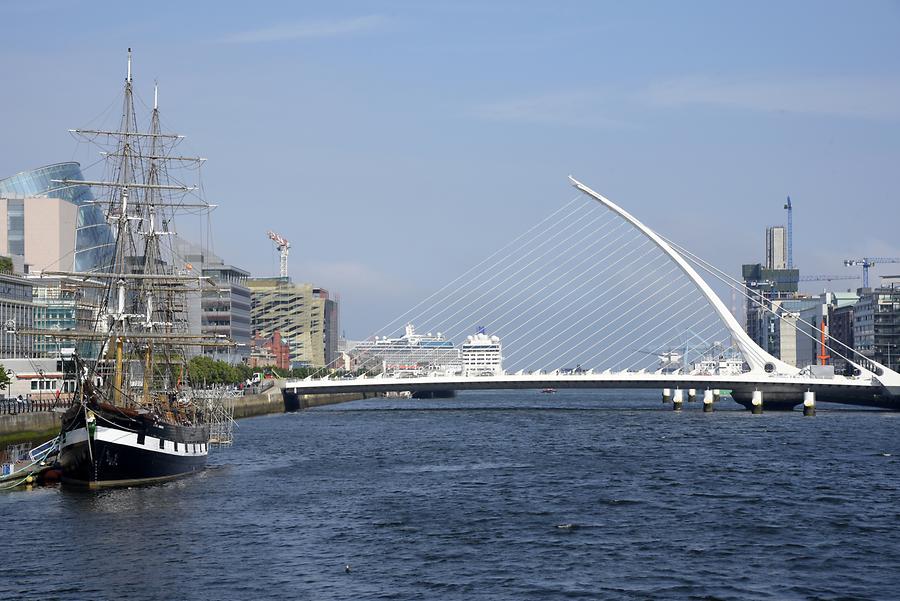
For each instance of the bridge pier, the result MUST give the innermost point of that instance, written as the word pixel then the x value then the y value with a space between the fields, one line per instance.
pixel 667 395
pixel 773 399
pixel 717 395
pixel 678 399
pixel 708 401
pixel 809 403
pixel 692 395
pixel 756 402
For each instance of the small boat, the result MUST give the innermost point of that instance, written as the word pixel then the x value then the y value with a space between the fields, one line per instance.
pixel 23 464
pixel 549 391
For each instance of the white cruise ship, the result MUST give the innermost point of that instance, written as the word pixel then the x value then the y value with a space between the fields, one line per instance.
pixel 412 353
pixel 482 355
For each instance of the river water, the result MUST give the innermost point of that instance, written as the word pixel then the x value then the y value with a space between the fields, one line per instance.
pixel 492 495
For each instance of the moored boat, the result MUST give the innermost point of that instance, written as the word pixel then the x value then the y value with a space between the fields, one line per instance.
pixel 137 418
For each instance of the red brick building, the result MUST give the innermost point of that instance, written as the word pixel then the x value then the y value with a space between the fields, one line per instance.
pixel 270 352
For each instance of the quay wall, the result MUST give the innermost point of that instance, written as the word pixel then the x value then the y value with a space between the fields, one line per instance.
pixel 319 400
pixel 28 426
pixel 40 425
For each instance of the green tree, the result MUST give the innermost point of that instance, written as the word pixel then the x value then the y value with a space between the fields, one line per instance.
pixel 4 378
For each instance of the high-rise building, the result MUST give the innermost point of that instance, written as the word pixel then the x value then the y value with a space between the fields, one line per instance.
pixel 53 225
pixel 303 313
pixel 876 323
pixel 776 247
pixel 765 286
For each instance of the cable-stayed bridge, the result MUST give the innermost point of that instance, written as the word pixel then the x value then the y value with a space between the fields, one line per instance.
pixel 593 286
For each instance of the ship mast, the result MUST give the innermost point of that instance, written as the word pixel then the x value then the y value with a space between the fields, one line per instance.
pixel 141 322
pixel 119 320
pixel 142 310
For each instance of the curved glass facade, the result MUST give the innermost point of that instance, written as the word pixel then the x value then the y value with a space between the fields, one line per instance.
pixel 94 242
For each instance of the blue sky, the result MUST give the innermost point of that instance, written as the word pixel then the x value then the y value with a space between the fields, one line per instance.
pixel 398 143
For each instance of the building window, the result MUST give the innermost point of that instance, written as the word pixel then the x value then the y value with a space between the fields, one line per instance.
pixel 15 226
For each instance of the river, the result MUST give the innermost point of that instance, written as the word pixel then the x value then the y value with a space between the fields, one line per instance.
pixel 491 495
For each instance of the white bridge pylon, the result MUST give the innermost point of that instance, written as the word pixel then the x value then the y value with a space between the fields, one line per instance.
pixel 758 359
pixel 875 385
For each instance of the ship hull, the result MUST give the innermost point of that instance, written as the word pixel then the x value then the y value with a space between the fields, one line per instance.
pixel 106 454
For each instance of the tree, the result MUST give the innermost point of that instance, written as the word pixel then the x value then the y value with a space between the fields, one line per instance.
pixel 4 378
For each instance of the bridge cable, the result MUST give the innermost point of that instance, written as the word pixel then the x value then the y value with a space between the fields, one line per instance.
pixel 451 284
pixel 534 283
pixel 739 286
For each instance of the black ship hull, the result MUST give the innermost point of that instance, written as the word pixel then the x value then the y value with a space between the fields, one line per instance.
pixel 98 450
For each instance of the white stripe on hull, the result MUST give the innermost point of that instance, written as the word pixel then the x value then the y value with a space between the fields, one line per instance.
pixel 130 439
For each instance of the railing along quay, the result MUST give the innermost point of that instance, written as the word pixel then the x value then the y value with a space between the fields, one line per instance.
pixel 17 406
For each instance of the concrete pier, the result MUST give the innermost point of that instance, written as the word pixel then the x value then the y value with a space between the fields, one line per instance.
pixel 708 403
pixel 678 399
pixel 756 402
pixel 809 403
pixel 667 395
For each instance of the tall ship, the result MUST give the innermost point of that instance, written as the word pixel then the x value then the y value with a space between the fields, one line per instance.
pixel 137 419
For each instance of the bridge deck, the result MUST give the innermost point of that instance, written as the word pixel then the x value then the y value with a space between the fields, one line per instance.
pixel 788 389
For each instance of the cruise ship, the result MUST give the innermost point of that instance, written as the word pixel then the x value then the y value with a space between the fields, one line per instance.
pixel 412 353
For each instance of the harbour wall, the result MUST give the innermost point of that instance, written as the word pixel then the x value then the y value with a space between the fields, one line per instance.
pixel 44 424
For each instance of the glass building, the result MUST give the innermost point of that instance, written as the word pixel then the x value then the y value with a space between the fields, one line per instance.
pixel 94 241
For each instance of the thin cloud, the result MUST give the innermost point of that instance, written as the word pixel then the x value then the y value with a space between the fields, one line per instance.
pixel 307 30
pixel 575 108
pixel 843 97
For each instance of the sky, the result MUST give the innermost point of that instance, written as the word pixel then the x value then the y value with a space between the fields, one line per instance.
pixel 398 143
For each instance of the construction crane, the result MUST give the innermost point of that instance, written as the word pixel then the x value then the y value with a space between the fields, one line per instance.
pixel 867 262
pixel 284 247
pixel 790 233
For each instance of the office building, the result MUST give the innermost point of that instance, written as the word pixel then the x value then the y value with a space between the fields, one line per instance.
pixel 841 310
pixel 224 302
pixel 16 316
pixel 62 303
pixel 876 323
pixel 765 286
pixel 52 225
pixel 304 314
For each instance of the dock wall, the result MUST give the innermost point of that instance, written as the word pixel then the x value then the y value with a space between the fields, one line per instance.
pixel 28 426
pixel 45 424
